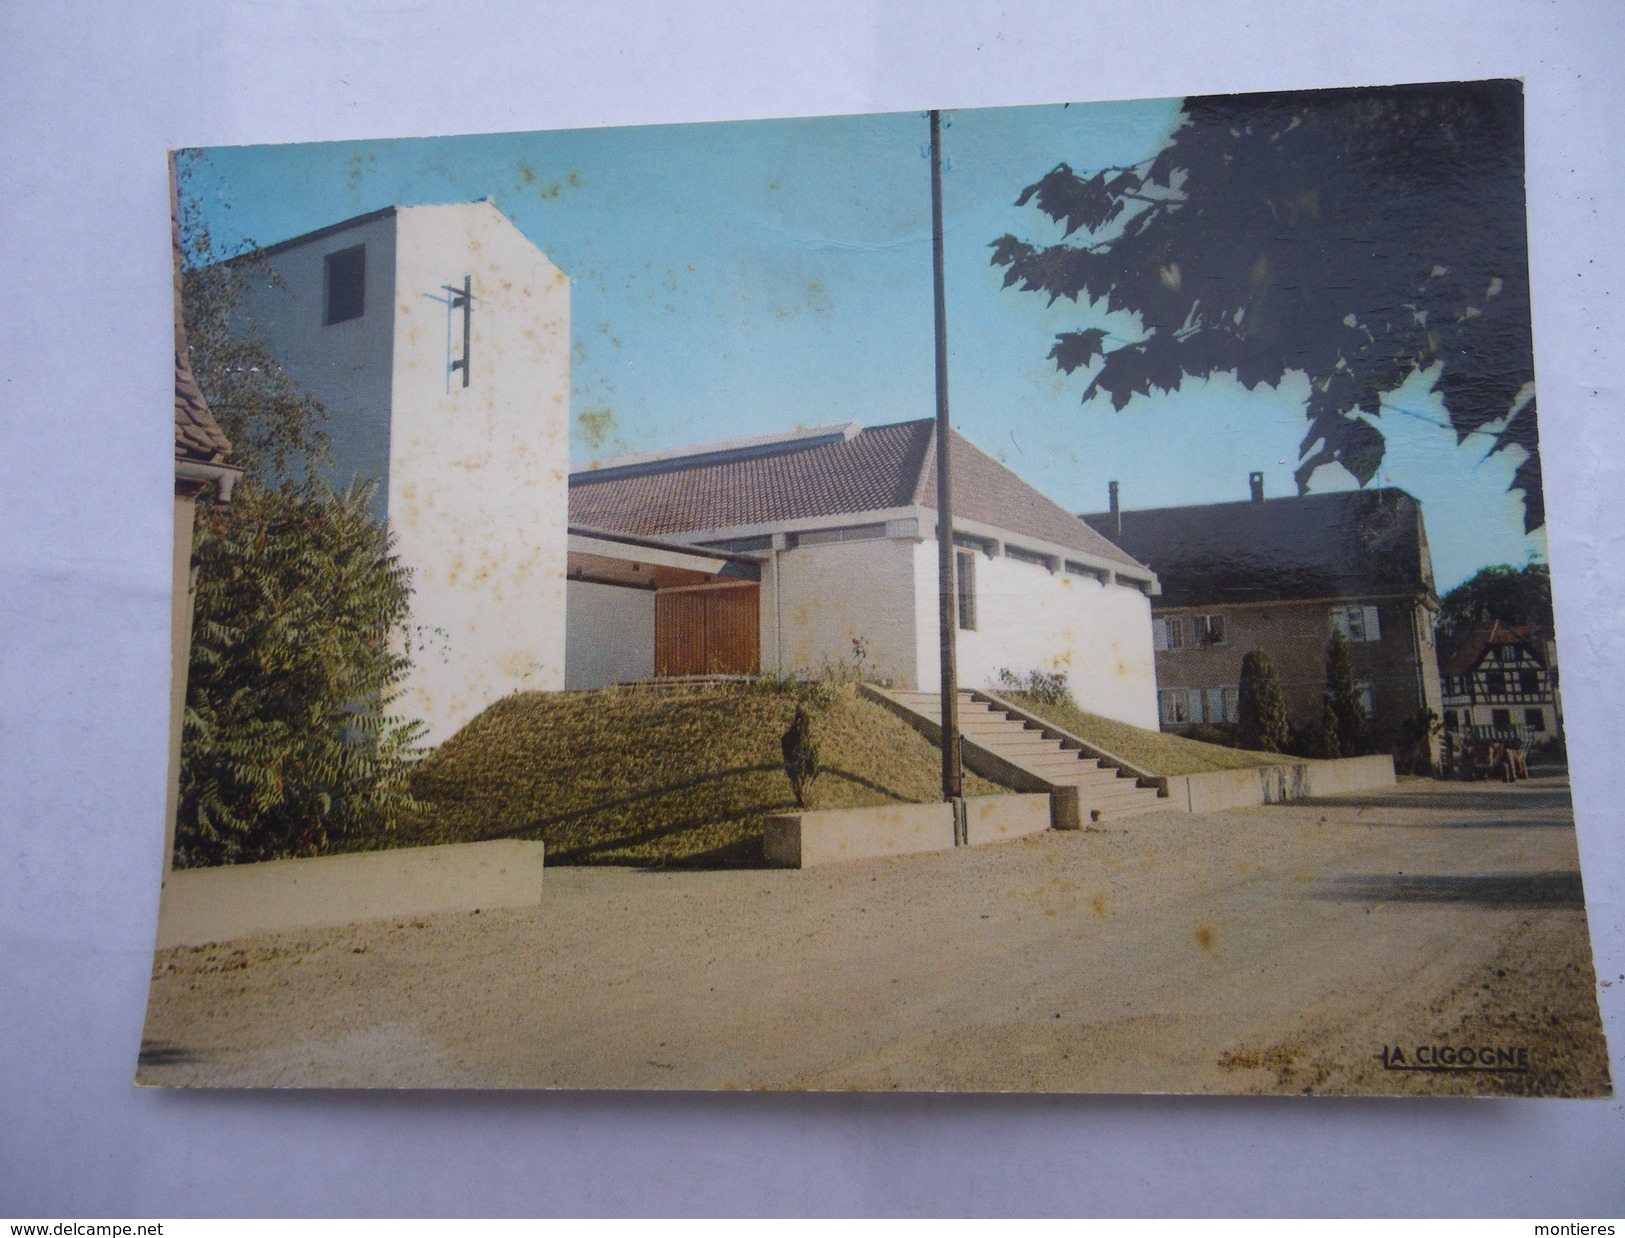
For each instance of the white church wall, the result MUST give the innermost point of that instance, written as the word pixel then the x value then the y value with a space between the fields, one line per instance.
pixel 830 595
pixel 1029 618
pixel 611 634
pixel 478 494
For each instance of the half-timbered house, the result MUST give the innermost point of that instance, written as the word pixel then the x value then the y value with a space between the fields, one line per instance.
pixel 1499 679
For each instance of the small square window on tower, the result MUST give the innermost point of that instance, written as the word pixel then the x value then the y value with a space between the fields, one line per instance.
pixel 346 284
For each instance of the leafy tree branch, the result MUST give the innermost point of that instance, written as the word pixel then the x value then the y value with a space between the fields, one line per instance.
pixel 1357 236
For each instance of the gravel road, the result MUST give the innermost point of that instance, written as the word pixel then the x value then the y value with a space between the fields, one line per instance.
pixel 1279 949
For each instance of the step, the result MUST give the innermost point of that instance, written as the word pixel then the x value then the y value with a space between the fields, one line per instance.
pixel 1119 814
pixel 1086 777
pixel 1092 800
pixel 1029 741
pixel 995 726
pixel 989 723
pixel 1121 789
pixel 1055 752
pixel 1062 766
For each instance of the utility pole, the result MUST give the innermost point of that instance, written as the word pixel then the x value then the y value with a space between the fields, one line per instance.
pixel 947 609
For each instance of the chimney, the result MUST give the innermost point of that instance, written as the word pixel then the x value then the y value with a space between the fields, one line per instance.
pixel 1116 510
pixel 1256 481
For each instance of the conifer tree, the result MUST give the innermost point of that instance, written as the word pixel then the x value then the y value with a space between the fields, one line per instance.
pixel 1261 705
pixel 1343 705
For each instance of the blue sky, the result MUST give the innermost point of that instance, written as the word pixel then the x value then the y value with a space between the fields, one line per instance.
pixel 745 278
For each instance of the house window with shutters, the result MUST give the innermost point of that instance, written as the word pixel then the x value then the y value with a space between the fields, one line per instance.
pixel 1222 704
pixel 1168 632
pixel 1174 705
pixel 1208 629
pixel 1357 623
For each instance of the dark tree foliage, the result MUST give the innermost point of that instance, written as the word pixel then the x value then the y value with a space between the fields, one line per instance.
pixel 1414 746
pixel 1261 706
pixel 1355 235
pixel 1325 743
pixel 289 746
pixel 276 428
pixel 1345 721
pixel 1519 596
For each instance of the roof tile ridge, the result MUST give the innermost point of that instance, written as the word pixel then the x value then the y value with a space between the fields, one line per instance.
pixel 928 467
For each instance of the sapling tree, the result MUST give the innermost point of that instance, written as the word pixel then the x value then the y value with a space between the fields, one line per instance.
pixel 800 749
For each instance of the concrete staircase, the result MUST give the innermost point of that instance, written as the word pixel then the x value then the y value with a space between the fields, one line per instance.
pixel 1004 743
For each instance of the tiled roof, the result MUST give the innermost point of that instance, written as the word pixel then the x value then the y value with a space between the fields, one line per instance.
pixel 875 469
pixel 197 435
pixel 986 491
pixel 1354 543
pixel 1468 650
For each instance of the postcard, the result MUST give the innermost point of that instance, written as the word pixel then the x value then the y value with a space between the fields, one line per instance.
pixel 1026 599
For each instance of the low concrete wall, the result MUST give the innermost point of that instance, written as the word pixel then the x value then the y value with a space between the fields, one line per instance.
pixel 806 839
pixel 1217 790
pixel 1350 774
pixel 202 905
pixel 995 818
pixel 1223 788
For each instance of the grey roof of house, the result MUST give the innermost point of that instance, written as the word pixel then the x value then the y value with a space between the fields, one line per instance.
pixel 1354 543
pixel 876 469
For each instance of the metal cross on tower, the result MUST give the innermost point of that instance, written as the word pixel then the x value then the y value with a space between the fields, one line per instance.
pixel 457 299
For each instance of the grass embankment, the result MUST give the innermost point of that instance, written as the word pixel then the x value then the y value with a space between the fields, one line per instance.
pixel 1152 751
pixel 682 776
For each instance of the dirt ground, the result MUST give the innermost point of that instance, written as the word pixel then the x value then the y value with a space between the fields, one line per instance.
pixel 1279 949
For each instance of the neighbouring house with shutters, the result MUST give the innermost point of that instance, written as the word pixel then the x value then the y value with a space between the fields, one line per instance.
pixel 438 337
pixel 1282 575
pixel 819 539
pixel 1500 678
